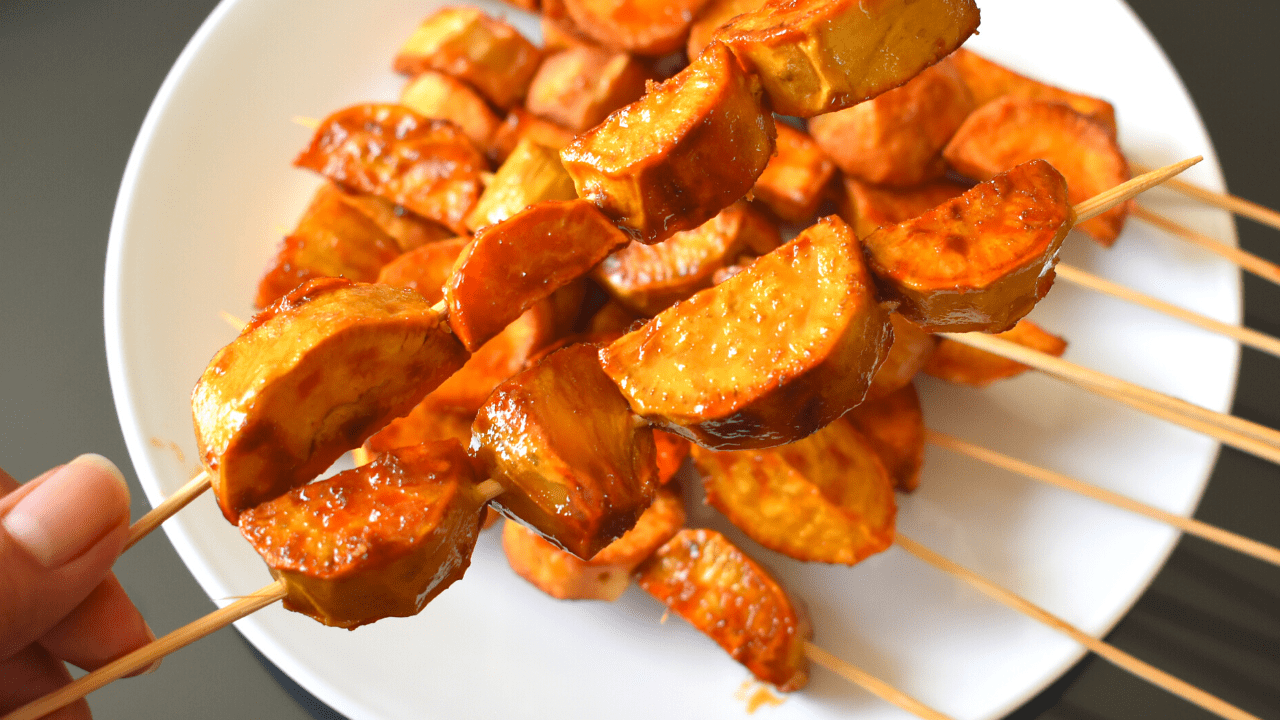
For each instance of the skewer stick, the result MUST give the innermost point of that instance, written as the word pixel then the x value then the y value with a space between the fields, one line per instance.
pixel 1191 526
pixel 1106 200
pixel 1109 652
pixel 1239 206
pixel 167 508
pixel 870 683
pixel 1264 269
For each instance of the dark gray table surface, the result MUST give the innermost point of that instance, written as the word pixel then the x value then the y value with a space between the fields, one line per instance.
pixel 76 78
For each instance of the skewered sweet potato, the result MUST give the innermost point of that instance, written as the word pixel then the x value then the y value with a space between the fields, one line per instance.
pixel 410 231
pixel 870 207
pixel 603 577
pixel 512 265
pixel 988 80
pixel 425 270
pixel 978 262
pixel 378 541
pixel 531 173
pixel 908 354
pixel 612 317
pixel 644 27
pixel 331 240
pixel 897 137
pixel 427 421
pixel 488 54
pixel 577 87
pixel 561 440
pixel 795 179
pixel 958 363
pixel 682 153
pixel 558 30
pixel 710 583
pixel 712 17
pixel 310 378
pixel 520 125
pixel 435 95
pixel 766 357
pixel 894 425
pixel 827 498
pixel 672 450
pixel 1012 130
pixel 428 166
pixel 649 278
pixel 817 56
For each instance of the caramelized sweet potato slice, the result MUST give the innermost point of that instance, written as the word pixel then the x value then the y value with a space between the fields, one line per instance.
pixel 1012 130
pixel 435 95
pixel 520 125
pixel 978 262
pixel 603 577
pixel 682 153
pixel 817 56
pixel 712 17
pixel 644 27
pixel 331 240
pixel 710 583
pixel 988 80
pixel 378 541
pixel 649 278
pixel 488 54
pixel 428 166
pixel 911 349
pixel 576 88
pixel 672 450
pixel 768 356
pixel 425 270
pixel 870 207
pixel 410 231
pixel 612 317
pixel 562 441
pixel 310 378
pixel 428 421
pixel 794 181
pixel 897 137
pixel 894 425
pixel 958 363
pixel 512 265
pixel 531 173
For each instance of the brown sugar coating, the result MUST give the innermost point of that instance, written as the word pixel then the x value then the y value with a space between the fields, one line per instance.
pixel 958 363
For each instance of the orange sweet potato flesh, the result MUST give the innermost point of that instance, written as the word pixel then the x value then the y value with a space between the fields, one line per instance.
pixel 644 27
pixel 425 270
pixel 578 87
pixel 818 56
pixel 409 230
pixel 870 207
pixel 488 54
pixel 911 349
pixel 713 585
pixel 310 378
pixel 603 577
pixel 672 450
pixel 678 156
pixel 988 80
pixel 428 166
pixel 332 240
pixel 980 261
pixel 712 17
pixel 958 363
pixel 513 264
pixel 562 441
pixel 435 95
pixel 427 421
pixel 1012 130
pixel 378 541
pixel 520 125
pixel 894 425
pixel 897 138
pixel 530 174
pixel 796 178
pixel 766 357
pixel 827 498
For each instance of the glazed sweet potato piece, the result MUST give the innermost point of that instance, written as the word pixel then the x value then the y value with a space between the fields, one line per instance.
pixel 488 54
pixel 988 80
pixel 603 577
pixel 672 450
pixel 958 363
pixel 331 240
pixel 310 378
pixel 766 357
pixel 707 581
pixel 562 441
pixel 818 56
pixel 1012 130
pixel 678 156
pixel 894 425
pixel 410 231
pixel 870 207
pixel 426 422
pixel 378 541
pixel 649 278
pixel 520 125
pixel 512 265
pixel 612 317
pixel 978 262
pixel 425 270
pixel 577 87
pixel 712 17
pixel 435 95
pixel 428 166
pixel 531 173
pixel 911 349
pixel 644 27
pixel 794 181
pixel 897 138
pixel 558 30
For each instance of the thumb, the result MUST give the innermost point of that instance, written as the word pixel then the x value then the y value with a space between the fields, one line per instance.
pixel 59 535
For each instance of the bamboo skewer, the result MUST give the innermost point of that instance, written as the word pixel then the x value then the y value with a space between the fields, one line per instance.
pixel 1263 268
pixel 170 505
pixel 874 685
pixel 1239 206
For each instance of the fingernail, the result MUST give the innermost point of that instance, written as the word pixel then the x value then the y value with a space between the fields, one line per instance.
pixel 155 665
pixel 69 511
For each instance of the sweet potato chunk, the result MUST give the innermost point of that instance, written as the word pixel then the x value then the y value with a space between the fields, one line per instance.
pixel 713 16
pixel 331 240
pixel 958 363
pixel 672 450
pixel 649 278
pixel 870 207
pixel 425 270
pixel 427 421
pixel 576 88
pixel 766 357
pixel 562 441
pixel 410 231
pixel 988 80
pixel 603 577
pixel 817 56
pixel 520 125
pixel 488 54
pixel 897 137
pixel 795 179
pixel 1012 130
pixel 644 27
pixel 911 349
pixel 436 95
pixel 512 265
pixel 710 583
pixel 378 541
pixel 310 378
pixel 428 166
pixel 679 155
pixel 894 425
pixel 612 317
pixel 978 262
pixel 531 173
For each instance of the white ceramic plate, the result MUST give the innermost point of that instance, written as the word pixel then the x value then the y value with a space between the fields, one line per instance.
pixel 209 191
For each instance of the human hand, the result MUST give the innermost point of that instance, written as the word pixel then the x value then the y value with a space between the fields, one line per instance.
pixel 59 601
